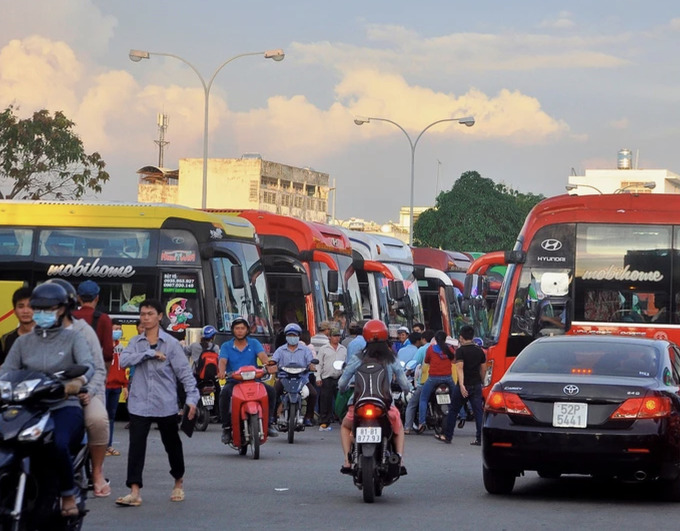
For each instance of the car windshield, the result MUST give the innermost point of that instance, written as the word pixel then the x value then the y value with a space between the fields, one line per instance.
pixel 583 357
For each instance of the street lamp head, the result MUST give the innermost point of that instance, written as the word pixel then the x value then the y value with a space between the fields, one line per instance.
pixel 138 55
pixel 650 185
pixel 361 120
pixel 277 55
pixel 468 121
pixel 571 187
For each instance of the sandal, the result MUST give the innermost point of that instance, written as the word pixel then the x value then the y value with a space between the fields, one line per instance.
pixel 177 494
pixel 70 512
pixel 442 438
pixel 421 428
pixel 111 451
pixel 103 491
pixel 129 501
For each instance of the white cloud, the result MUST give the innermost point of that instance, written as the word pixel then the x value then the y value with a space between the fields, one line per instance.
pixel 622 123
pixel 562 21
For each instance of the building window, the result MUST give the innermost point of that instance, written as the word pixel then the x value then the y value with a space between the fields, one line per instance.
pixel 252 196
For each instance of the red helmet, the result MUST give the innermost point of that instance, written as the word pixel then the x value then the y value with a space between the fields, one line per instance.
pixel 375 330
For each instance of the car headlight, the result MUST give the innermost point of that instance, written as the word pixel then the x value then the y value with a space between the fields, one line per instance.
pixel 24 389
pixel 5 390
pixel 34 432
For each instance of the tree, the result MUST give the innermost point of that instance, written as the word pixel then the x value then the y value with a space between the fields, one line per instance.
pixel 41 157
pixel 475 215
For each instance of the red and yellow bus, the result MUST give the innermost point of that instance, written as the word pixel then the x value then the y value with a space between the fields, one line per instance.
pixel 204 268
pixel 596 264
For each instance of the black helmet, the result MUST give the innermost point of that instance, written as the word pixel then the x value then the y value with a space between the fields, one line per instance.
pixel 70 291
pixel 48 295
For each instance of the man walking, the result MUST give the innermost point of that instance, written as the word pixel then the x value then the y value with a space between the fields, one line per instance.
pixel 328 377
pixel 159 362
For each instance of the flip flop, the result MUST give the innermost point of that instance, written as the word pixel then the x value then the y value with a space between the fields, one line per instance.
pixel 110 451
pixel 443 439
pixel 129 501
pixel 102 492
pixel 177 494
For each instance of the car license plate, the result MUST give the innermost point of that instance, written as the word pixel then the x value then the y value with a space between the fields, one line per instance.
pixel 368 435
pixel 570 415
pixel 208 400
pixel 443 399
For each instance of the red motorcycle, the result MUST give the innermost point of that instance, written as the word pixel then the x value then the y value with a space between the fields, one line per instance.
pixel 249 410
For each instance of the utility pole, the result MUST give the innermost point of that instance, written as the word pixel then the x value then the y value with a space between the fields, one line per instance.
pixel 161 142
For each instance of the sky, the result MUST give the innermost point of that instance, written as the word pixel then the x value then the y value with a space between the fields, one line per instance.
pixel 555 87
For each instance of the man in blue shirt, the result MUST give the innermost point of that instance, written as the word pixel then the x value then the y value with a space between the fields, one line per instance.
pixel 295 353
pixel 410 349
pixel 234 354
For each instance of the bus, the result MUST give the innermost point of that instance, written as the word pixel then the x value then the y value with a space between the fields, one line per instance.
pixel 309 270
pixel 204 268
pixel 596 264
pixel 383 293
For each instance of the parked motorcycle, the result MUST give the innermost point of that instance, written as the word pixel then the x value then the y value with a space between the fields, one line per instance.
pixel 438 408
pixel 249 410
pixel 29 491
pixel 294 380
pixel 206 408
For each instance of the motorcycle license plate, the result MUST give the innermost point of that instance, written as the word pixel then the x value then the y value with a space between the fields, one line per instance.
pixel 443 399
pixel 208 400
pixel 368 435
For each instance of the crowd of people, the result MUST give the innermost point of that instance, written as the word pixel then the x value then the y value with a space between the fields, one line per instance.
pixel 59 325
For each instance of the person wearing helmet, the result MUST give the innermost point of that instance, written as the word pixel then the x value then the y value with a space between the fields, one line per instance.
pixel 195 349
pixel 377 350
pixel 94 401
pixel 296 352
pixel 52 348
pixel 239 351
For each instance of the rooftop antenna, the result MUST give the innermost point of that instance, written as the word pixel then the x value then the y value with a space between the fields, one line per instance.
pixel 161 142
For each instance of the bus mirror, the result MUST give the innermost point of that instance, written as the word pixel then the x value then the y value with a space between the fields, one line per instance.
pixel 465 306
pixel 515 257
pixel 449 293
pixel 333 281
pixel 396 290
pixel 237 277
pixel 467 290
pixel 419 272
pixel 306 287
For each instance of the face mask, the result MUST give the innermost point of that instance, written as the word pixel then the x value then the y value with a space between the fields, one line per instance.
pixel 45 318
pixel 292 340
pixel 117 335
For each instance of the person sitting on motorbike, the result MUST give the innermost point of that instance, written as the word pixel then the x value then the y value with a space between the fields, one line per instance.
pixel 234 354
pixel 51 348
pixel 195 349
pixel 440 358
pixel 377 347
pixel 294 352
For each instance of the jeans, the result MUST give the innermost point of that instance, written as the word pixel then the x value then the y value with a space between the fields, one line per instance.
pixel 139 432
pixel 412 408
pixel 475 400
pixel 68 431
pixel 430 385
pixel 112 399
pixel 225 403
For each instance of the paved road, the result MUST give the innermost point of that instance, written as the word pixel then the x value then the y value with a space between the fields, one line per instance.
pixel 299 486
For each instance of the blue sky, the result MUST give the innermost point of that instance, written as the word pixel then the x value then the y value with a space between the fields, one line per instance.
pixel 553 86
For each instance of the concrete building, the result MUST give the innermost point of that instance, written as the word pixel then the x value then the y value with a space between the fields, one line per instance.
pixel 245 183
pixel 625 178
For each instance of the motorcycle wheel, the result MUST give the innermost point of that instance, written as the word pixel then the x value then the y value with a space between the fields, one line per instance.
pixel 202 417
pixel 292 421
pixel 368 477
pixel 254 423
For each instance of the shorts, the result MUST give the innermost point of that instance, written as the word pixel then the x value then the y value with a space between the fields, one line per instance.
pixel 96 422
pixel 392 414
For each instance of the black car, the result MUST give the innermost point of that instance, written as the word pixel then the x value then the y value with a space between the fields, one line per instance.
pixel 604 406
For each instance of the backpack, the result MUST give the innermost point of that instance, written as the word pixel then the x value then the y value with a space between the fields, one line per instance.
pixel 372 380
pixel 206 366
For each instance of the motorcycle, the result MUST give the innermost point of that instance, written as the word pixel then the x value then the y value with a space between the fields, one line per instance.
pixel 206 408
pixel 437 409
pixel 400 399
pixel 249 410
pixel 29 493
pixel 294 381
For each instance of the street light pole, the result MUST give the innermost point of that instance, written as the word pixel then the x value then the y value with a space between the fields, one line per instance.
pixel 138 55
pixel 468 121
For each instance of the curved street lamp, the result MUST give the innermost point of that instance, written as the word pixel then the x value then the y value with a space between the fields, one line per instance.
pixel 468 121
pixel 138 55
pixel 650 185
pixel 571 187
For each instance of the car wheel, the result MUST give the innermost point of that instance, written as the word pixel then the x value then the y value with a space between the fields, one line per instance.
pixel 498 481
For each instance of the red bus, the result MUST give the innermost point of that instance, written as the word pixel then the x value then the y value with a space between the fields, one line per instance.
pixel 596 264
pixel 309 270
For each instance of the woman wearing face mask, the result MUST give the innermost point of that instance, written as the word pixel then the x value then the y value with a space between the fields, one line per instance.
pixel 116 383
pixel 51 348
pixel 295 352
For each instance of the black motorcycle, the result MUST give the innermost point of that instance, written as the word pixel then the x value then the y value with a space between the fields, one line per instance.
pixel 206 408
pixel 294 381
pixel 29 492
pixel 438 408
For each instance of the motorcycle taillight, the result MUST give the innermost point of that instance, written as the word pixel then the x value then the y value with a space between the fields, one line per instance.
pixel 369 411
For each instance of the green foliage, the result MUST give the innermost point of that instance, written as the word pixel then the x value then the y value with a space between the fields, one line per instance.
pixel 41 157
pixel 475 215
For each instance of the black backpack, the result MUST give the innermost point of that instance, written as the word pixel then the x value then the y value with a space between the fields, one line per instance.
pixel 372 381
